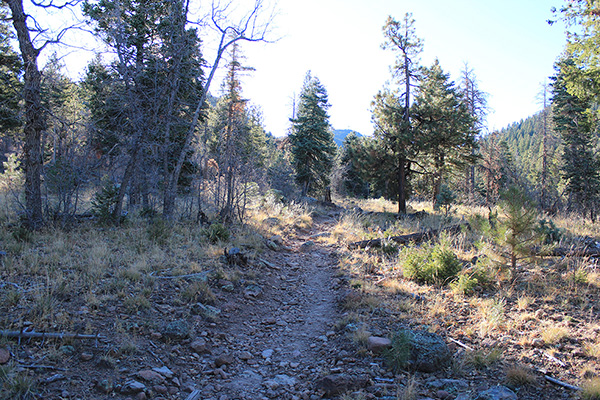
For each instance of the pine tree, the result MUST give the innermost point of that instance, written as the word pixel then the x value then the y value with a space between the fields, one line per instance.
pixel 445 127
pixel 353 179
pixel 11 68
pixel 581 168
pixel 311 139
pixel 401 38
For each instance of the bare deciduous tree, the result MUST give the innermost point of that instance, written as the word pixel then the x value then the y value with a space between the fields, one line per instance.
pixel 251 27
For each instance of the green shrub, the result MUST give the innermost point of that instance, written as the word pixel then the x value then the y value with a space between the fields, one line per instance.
pixel 216 232
pixel 479 275
pixel 445 199
pixel 159 231
pixel 104 202
pixel 398 355
pixel 430 264
pixel 548 231
pixel 465 284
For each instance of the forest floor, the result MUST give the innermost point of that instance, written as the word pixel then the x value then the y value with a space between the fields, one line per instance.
pixel 288 322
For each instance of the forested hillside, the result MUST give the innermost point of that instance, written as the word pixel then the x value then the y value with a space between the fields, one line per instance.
pixel 525 146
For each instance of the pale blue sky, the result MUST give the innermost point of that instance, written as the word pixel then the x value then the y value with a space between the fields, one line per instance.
pixel 508 44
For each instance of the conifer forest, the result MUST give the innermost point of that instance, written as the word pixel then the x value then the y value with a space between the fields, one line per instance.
pixel 157 241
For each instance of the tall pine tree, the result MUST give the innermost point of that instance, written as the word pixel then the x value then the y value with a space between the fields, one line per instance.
pixel 311 139
pixel 445 127
pixel 401 38
pixel 581 168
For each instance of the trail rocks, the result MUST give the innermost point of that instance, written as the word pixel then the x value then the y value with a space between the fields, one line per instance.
pixel 151 376
pixel 336 384
pixel 4 356
pixel 132 387
pixel 429 352
pixel 199 346
pixel 164 371
pixel 307 246
pixel 497 393
pixel 378 344
pixel 210 313
pixel 278 381
pixel 178 329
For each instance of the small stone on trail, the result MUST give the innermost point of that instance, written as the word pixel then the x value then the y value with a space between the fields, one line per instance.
pixel 105 386
pixel 85 356
pixel 223 360
pixel 178 329
pixel 252 290
pixel 151 376
pixel 267 353
pixel 4 356
pixel 132 387
pixel 161 389
pixel 335 384
pixel 245 355
pixel 209 313
pixel 378 344
pixel 164 371
pixel 280 380
pixel 199 346
pixel 497 393
pixel 306 246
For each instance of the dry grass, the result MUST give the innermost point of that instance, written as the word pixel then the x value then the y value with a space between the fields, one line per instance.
pixel 547 303
pixel 410 391
pixel 519 375
pixel 591 389
pixel 552 333
pixel 490 314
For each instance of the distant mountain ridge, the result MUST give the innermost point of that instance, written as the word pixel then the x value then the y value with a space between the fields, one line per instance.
pixel 340 134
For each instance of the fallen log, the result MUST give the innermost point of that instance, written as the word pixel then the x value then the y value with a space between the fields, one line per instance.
pixel 565 252
pixel 561 383
pixel 413 237
pixel 45 335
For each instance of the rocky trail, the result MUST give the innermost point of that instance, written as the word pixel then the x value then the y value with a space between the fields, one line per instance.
pixel 280 342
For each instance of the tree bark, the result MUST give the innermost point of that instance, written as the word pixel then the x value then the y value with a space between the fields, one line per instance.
pixel 34 117
pixel 401 186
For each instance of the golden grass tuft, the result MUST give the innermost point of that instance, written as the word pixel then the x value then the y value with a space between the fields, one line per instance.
pixel 590 389
pixel 592 349
pixel 490 315
pixel 519 375
pixel 552 333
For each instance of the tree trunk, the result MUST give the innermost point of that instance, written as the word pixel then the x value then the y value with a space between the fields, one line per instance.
pixel 401 186
pixel 34 117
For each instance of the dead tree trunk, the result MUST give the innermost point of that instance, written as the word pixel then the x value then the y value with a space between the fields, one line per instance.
pixel 413 237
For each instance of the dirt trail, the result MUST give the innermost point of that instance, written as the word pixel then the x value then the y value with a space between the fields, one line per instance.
pixel 281 341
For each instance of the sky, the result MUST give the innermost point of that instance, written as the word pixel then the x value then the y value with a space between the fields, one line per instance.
pixel 508 44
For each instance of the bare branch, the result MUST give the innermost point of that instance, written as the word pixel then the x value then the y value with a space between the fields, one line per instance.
pixel 52 4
